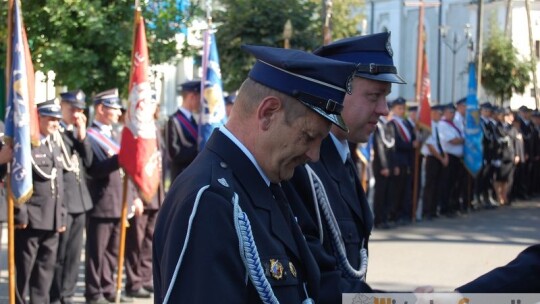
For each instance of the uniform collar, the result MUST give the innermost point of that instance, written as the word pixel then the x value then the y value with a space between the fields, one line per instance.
pixel 241 146
pixel 43 139
pixel 66 127
pixel 186 112
pixel 342 147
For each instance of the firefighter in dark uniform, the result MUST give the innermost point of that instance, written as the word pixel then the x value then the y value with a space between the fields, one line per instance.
pixel 105 184
pixel 524 170
pixel 182 130
pixel 225 231
pixel 489 141
pixel 401 195
pixel 383 158
pixel 339 237
pixel 77 156
pixel 43 217
pixel 139 241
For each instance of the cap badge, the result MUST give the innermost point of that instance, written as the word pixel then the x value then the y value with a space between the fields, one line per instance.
pixel 389 47
pixel 292 269
pixel 276 269
pixel 79 95
pixel 348 85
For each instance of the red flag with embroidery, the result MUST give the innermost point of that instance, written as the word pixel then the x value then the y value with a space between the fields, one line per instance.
pixel 424 118
pixel 139 155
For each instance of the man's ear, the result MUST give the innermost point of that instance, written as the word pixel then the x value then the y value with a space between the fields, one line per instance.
pixel 267 111
pixel 99 109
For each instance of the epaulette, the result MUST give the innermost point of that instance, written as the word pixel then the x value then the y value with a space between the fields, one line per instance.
pixel 222 180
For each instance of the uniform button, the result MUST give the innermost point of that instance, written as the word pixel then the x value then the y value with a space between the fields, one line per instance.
pixel 223 165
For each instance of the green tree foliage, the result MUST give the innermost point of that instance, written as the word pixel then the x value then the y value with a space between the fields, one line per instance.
pixel 346 18
pixel 503 73
pixel 261 22
pixel 88 42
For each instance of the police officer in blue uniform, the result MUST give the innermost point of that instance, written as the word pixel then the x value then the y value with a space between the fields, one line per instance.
pixel 182 129
pixel 225 231
pixel 41 219
pixel 77 156
pixel 337 222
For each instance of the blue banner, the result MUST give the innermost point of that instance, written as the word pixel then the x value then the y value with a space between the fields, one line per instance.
pixel 472 151
pixel 212 101
pixel 17 119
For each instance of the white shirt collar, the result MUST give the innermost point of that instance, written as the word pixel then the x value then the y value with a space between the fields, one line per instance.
pixel 107 129
pixel 342 147
pixel 186 112
pixel 43 139
pixel 240 145
pixel 66 126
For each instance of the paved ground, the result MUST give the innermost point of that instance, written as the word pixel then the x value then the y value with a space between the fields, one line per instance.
pixel 444 253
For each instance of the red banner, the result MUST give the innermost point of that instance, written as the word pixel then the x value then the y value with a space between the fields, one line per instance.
pixel 139 155
pixel 424 117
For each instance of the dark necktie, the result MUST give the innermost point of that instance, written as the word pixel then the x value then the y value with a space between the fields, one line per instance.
pixel 351 170
pixel 282 201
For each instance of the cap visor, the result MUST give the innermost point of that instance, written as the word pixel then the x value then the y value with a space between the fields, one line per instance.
pixel 333 118
pixel 394 78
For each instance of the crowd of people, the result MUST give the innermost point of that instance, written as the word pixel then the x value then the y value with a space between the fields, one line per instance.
pixel 272 208
pixel 403 150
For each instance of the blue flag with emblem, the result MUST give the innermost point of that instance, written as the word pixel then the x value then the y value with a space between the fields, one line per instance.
pixel 473 132
pixel 21 115
pixel 212 100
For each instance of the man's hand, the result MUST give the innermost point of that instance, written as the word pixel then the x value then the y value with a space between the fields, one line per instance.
pixel 385 172
pixel 138 207
pixel 445 160
pixel 80 124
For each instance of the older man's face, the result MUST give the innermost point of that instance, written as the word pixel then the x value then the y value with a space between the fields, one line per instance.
pixel 293 144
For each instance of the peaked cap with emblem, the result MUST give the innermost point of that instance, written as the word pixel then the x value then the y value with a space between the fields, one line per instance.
pixel 191 86
pixel 75 98
pixel 109 98
pixel 50 108
pixel 372 53
pixel 317 82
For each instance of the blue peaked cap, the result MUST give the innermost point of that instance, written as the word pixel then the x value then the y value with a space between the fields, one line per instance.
pixel 373 54
pixel 50 108
pixel 75 98
pixel 317 82
pixel 109 98
pixel 190 86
